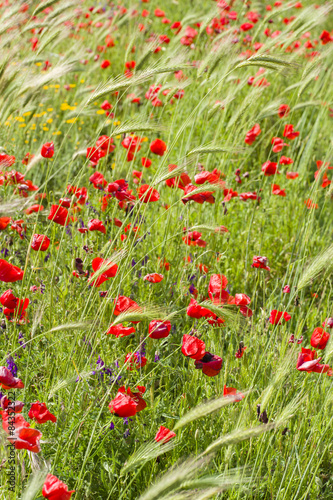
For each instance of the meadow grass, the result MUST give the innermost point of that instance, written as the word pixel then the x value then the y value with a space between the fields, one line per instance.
pixel 221 449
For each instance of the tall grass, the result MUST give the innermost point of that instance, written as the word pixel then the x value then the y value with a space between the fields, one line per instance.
pixel 224 448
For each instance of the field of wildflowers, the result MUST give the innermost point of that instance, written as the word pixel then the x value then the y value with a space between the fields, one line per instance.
pixel 166 249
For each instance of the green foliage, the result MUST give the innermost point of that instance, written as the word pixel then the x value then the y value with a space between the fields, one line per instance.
pixel 224 447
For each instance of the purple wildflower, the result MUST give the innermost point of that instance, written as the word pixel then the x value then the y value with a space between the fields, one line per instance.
pixel 12 366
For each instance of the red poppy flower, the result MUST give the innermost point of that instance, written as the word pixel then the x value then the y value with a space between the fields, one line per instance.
pixel 325 37
pixel 54 489
pixel 19 311
pixel 260 262
pixel 22 437
pixel 307 362
pixel 40 242
pixel 326 182
pixel 17 226
pixel 231 391
pixel 276 190
pixel 193 238
pixel 106 105
pixel 217 284
pixel 123 304
pixel 210 364
pixel 110 270
pixel 127 404
pixel 9 300
pixel 270 168
pixel 164 434
pixel 65 202
pixel 180 181
pixel 148 194
pixel 105 64
pixel 286 289
pixel 12 406
pixel 47 150
pixel 145 162
pixel 34 208
pixel 241 299
pixel 246 26
pixel 132 144
pixel 8 381
pixel 98 181
pixel 289 132
pixel 292 175
pixel 193 347
pixel 278 144
pixel 228 194
pixel 239 354
pixel 10 273
pixel 252 134
pixel 95 154
pixel 284 160
pixel 40 413
pixel 153 278
pixel 221 229
pixel 277 316
pixel 120 330
pixel 110 43
pixel 96 225
pixel 105 143
pixel 246 311
pixel 202 268
pixel 135 360
pixel 283 110
pixel 206 176
pixel 58 214
pixel 319 338
pixel 159 329
pixel 6 160
pixel 248 196
pixel 198 197
pixel 310 204
pixel 159 13
pixel 194 310
pixel 158 147
pixel 4 221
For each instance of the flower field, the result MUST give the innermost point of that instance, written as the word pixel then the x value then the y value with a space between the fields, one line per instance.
pixel 166 244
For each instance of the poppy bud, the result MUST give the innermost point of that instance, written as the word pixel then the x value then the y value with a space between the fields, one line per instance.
pixel 328 323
